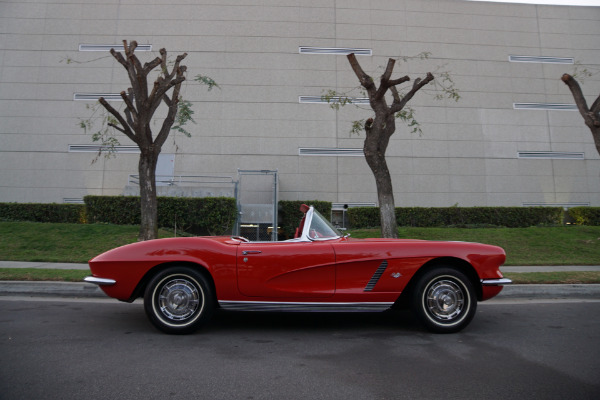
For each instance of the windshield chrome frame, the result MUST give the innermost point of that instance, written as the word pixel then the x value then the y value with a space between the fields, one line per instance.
pixel 310 214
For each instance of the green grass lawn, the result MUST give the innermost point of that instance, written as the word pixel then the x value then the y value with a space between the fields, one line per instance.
pixel 71 243
pixel 75 243
pixel 561 245
pixel 42 274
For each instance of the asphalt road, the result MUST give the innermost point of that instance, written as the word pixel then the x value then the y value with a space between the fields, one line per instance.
pixel 93 349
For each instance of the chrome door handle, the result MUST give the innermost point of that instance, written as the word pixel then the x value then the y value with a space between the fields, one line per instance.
pixel 246 252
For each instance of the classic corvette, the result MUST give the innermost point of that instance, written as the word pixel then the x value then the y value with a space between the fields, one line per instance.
pixel 183 280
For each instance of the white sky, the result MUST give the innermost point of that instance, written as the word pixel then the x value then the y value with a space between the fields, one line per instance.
pixel 553 2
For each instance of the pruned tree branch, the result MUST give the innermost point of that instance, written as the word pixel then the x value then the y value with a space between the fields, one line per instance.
pixel 590 116
pixel 149 66
pixel 125 127
pixel 168 122
pixel 417 85
pixel 396 82
pixel 130 108
pixel 365 80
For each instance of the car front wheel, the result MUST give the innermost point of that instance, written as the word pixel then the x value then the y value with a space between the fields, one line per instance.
pixel 444 300
pixel 178 300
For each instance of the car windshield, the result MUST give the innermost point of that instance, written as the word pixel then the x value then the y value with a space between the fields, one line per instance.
pixel 320 228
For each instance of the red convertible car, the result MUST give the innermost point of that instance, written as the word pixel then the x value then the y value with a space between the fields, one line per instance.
pixel 182 280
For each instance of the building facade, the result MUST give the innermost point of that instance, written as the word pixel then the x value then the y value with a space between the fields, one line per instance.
pixel 513 139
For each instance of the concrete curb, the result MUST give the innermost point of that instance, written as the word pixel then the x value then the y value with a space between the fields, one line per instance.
pixel 573 291
pixel 88 290
pixel 50 289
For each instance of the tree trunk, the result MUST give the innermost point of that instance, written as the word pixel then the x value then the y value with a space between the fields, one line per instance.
pixel 385 196
pixel 148 201
pixel 374 148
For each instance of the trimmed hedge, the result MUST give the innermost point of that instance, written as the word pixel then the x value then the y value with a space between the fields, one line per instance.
pixel 216 215
pixel 511 217
pixel 364 217
pixel 42 212
pixel 203 216
pixel 585 215
pixel 290 215
pixel 118 210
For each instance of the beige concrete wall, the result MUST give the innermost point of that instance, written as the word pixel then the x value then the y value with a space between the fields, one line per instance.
pixel 467 153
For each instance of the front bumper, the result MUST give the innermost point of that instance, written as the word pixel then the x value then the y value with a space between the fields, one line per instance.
pixel 99 281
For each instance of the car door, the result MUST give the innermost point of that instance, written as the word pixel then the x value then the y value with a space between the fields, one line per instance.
pixel 286 269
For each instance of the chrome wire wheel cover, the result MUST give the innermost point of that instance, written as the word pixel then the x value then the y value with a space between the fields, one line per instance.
pixel 445 300
pixel 179 299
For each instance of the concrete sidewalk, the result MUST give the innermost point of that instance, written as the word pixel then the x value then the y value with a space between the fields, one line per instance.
pixel 549 268
pixel 43 265
pixel 87 290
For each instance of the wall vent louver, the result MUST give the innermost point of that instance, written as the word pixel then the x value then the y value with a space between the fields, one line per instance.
pixel 96 96
pixel 564 205
pixel 552 155
pixel 330 152
pixel 542 59
pixel 107 47
pixel 335 50
pixel 343 206
pixel 94 148
pixel 545 106
pixel 73 200
pixel 321 100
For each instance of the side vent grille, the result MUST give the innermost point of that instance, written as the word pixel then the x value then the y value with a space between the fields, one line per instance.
pixel 376 276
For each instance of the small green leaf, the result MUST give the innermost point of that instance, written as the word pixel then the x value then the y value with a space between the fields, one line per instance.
pixel 206 80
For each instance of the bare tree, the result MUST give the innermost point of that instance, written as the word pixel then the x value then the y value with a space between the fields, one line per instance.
pixel 380 128
pixel 591 115
pixel 141 102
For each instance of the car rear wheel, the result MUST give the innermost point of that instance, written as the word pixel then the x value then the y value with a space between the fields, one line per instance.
pixel 444 300
pixel 178 300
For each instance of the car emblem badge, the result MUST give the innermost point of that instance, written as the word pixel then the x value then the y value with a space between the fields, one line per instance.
pixel 396 275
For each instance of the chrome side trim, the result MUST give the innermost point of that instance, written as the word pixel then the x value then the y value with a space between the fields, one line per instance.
pixel 496 282
pixel 99 281
pixel 303 306
pixel 375 278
